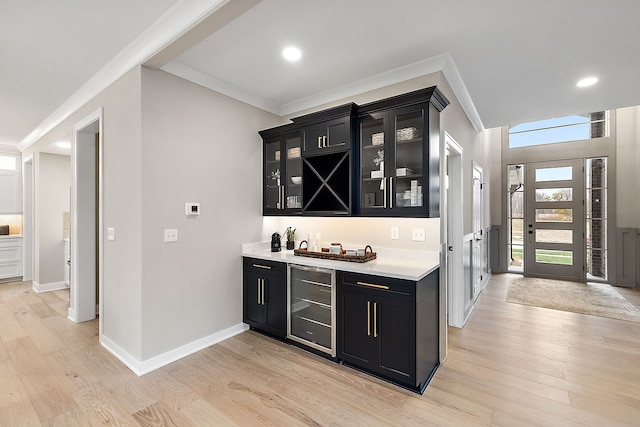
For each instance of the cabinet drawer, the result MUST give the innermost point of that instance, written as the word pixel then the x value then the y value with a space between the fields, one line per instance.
pixel 388 286
pixel 10 270
pixel 10 242
pixel 10 254
pixel 264 266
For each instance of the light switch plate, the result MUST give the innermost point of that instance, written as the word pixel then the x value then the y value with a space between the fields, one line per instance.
pixel 111 233
pixel 170 235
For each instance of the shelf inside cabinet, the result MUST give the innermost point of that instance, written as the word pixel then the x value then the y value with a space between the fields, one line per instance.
pixel 409 141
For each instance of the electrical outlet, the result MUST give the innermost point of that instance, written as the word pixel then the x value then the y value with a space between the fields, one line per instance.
pixel 395 233
pixel 170 235
pixel 418 235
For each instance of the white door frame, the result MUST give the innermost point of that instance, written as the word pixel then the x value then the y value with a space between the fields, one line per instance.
pixel 85 172
pixel 477 215
pixel 453 225
pixel 28 223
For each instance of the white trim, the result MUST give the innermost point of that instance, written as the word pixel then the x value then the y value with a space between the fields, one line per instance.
pixel 441 63
pixel 48 287
pixel 455 283
pixel 95 117
pixel 183 16
pixel 451 73
pixel 28 216
pixel 144 367
pixel 205 80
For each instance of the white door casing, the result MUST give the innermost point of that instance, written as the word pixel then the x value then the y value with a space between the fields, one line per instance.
pixel 453 271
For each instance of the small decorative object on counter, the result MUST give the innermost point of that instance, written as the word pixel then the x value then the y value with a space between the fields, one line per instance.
pixel 275 242
pixel 291 237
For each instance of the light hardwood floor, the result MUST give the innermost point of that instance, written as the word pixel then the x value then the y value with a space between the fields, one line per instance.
pixel 510 365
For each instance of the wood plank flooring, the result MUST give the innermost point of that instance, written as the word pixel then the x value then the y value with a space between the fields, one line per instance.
pixel 510 365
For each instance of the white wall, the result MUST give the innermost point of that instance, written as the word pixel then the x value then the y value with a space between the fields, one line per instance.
pixel 52 189
pixel 627 173
pixel 197 146
pixel 121 306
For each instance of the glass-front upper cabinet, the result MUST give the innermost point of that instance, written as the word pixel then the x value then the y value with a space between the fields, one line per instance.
pixel 399 162
pixel 282 171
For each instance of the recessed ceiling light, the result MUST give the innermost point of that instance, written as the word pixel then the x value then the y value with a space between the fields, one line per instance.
pixel 63 144
pixel 587 82
pixel 291 53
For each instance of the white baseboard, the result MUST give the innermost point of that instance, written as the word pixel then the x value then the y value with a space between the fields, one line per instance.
pixel 48 287
pixel 146 366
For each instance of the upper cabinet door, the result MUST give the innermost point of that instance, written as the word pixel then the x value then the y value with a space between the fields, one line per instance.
pixel 327 137
pixel 394 155
pixel 10 184
pixel 399 155
pixel 282 172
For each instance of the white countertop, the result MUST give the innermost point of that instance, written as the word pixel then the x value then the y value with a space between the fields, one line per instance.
pixel 397 263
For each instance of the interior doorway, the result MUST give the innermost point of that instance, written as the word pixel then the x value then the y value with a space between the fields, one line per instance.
pixel 86 220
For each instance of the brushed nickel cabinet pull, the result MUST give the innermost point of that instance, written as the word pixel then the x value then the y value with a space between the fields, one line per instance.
pixel 258 288
pixel 371 285
pixel 375 320
pixel 384 184
pixel 266 267
pixel 319 142
pixel 368 318
pixel 262 291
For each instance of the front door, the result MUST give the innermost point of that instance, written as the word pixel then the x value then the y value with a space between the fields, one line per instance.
pixel 554 219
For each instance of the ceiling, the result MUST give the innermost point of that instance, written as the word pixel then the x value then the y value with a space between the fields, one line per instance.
pixel 507 61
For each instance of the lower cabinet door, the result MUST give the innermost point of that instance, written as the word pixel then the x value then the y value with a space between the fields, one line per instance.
pixel 252 310
pixel 396 340
pixel 355 334
pixel 275 301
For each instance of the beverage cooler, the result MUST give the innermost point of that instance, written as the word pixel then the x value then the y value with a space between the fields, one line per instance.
pixel 311 313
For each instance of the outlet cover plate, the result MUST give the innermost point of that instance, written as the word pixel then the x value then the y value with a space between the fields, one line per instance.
pixel 418 235
pixel 395 233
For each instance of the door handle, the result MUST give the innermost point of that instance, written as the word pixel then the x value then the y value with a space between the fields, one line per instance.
pixel 324 142
pixel 319 142
pixel 262 291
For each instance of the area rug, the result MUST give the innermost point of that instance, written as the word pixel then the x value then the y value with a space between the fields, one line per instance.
pixel 591 298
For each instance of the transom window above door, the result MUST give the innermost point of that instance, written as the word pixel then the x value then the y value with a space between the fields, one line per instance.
pixel 562 129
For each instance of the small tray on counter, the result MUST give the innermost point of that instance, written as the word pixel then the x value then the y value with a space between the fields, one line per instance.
pixel 369 255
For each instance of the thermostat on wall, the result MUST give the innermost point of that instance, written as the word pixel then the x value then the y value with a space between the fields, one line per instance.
pixel 192 209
